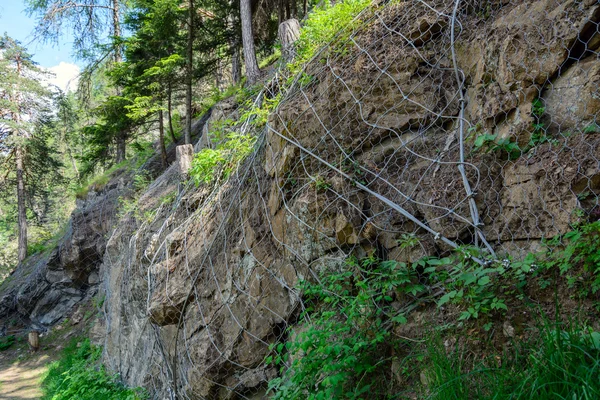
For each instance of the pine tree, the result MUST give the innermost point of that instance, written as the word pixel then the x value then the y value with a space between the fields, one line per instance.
pixel 23 99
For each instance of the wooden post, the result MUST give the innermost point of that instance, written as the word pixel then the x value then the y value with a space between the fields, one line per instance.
pixel 34 340
pixel 185 155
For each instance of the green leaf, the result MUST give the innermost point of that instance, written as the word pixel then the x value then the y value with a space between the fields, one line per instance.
pixel 446 298
pixel 484 280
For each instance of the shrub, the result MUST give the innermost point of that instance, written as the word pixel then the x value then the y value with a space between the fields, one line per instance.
pixel 212 164
pixel 577 248
pixel 78 375
pixel 6 342
pixel 338 351
pixel 324 23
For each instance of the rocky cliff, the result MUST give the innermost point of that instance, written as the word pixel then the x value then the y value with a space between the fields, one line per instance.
pixel 474 125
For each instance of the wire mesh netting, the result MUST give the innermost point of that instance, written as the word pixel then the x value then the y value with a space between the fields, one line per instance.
pixel 444 123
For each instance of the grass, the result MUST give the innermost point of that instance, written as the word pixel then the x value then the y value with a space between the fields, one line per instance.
pixel 99 181
pixel 78 375
pixel 559 361
pixel 267 61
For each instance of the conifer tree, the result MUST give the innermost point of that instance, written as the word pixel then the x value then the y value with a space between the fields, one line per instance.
pixel 23 99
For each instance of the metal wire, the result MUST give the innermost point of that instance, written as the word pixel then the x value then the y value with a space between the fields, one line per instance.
pixel 457 123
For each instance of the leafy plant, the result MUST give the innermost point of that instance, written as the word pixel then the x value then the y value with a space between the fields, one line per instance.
pixel 325 22
pixel 77 375
pixel 6 342
pixel 592 128
pixel 490 143
pixel 576 254
pixel 213 164
pixel 321 184
pixel 537 108
pixel 336 353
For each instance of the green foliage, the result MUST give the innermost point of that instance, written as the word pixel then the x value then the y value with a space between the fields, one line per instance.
pixel 592 128
pixel 98 182
pixel 339 349
pixel 232 147
pixel 336 353
pixel 537 108
pixel 267 61
pixel 324 24
pixel 78 375
pixel 559 361
pixel 468 283
pixel 217 96
pixel 576 254
pixel 45 240
pixel 213 164
pixel 6 342
pixel 491 144
pixel 168 198
pixel 258 115
pixel 321 184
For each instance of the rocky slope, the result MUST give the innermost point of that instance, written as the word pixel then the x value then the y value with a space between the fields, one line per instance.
pixel 199 281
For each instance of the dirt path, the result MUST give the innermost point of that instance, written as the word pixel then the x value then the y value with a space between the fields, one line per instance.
pixel 20 380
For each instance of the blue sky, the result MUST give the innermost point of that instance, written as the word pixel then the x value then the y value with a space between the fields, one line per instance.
pixel 55 57
pixel 15 22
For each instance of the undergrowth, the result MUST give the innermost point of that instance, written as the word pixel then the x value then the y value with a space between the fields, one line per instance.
pixel 344 345
pixel 325 23
pixel 346 328
pixel 233 141
pixel 78 375
pixel 6 342
pixel 559 361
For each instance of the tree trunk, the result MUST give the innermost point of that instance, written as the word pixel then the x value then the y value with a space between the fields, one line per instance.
pixel 170 113
pixel 161 133
pixel 280 12
pixel 189 70
pixel 121 147
pixel 252 70
pixel 304 9
pixel 236 65
pixel 117 30
pixel 22 212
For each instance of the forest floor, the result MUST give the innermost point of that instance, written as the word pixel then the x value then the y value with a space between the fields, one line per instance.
pixel 21 373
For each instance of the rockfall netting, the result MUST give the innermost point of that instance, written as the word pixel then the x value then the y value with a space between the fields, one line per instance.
pixel 444 123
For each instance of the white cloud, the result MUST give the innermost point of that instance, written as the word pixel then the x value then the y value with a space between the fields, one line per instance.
pixel 66 76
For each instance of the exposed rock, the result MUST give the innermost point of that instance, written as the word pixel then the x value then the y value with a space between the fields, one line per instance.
pixel 573 99
pixel 508 330
pixel 197 294
pixel 93 279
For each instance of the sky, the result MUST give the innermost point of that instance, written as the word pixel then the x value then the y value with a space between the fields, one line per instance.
pixel 56 58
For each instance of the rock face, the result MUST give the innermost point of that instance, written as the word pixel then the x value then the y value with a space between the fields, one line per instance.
pixel 364 159
pixel 45 287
